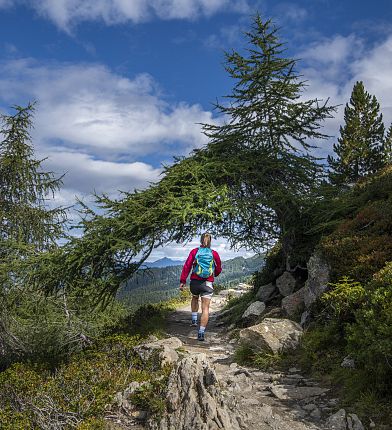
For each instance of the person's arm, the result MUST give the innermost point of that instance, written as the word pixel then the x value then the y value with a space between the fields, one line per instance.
pixel 218 263
pixel 187 268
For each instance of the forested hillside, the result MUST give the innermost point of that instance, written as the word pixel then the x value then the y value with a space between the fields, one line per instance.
pixel 156 284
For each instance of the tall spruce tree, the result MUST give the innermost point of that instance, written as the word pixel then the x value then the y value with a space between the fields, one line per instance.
pixel 360 148
pixel 25 187
pixel 264 147
pixel 388 146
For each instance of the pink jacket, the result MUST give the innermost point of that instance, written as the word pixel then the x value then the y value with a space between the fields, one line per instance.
pixel 188 266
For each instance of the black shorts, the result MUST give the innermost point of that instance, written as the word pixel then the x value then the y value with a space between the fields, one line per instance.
pixel 201 288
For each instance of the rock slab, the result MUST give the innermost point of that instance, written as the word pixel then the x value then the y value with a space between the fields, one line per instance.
pixel 194 400
pixel 165 348
pixel 343 421
pixel 272 335
pixel 318 278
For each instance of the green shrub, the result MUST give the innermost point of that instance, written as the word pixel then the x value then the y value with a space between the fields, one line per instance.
pixel 41 328
pixel 370 336
pixel 361 244
pixel 81 390
pixel 344 298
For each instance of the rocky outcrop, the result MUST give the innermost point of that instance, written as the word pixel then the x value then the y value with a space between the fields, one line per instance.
pixel 343 421
pixel 265 292
pixel 294 303
pixel 272 335
pixel 164 348
pixel 318 278
pixel 286 284
pixel 194 400
pixel 255 309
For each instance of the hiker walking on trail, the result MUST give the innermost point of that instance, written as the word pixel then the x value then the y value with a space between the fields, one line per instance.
pixel 205 263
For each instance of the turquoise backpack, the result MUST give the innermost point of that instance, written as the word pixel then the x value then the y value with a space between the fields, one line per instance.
pixel 204 263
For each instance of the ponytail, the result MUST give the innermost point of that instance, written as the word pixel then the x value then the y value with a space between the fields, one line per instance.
pixel 205 240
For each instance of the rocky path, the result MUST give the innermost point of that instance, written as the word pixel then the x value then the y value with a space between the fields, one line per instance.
pixel 246 398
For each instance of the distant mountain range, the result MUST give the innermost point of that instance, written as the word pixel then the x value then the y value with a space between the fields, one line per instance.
pixel 164 262
pixel 160 279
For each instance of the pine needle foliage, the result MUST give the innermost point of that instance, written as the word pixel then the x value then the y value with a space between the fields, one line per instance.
pixel 388 146
pixel 25 187
pixel 360 148
pixel 263 147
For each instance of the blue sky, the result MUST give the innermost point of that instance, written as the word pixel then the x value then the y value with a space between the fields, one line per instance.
pixel 122 84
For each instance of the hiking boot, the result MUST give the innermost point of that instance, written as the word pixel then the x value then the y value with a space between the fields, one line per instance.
pixel 194 323
pixel 200 336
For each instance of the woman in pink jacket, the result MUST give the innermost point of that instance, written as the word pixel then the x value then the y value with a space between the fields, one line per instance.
pixel 205 263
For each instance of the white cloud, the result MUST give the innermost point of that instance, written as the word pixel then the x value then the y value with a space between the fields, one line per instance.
pixel 290 13
pixel 68 13
pixel 332 66
pixel 96 126
pixel 85 174
pixel 87 106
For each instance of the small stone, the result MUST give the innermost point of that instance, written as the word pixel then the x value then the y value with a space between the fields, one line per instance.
pixel 348 363
pixel 309 407
pixel 233 365
pixel 294 370
pixel 139 415
pixel 354 423
pixel 316 414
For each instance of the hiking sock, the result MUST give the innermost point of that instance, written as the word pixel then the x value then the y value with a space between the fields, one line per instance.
pixel 200 334
pixel 194 317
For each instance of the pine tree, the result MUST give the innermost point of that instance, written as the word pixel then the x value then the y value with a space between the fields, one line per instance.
pixel 359 151
pixel 388 146
pixel 264 147
pixel 24 187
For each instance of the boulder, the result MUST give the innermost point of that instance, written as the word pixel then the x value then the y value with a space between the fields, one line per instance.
pixel 165 348
pixel 343 421
pixel 294 303
pixel 255 309
pixel 194 399
pixel 354 423
pixel 265 292
pixel 286 284
pixel 272 334
pixel 318 278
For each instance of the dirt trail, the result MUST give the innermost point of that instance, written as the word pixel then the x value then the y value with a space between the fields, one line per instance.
pixel 260 400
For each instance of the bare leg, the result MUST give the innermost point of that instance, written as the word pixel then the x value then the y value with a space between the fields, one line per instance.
pixel 195 304
pixel 205 311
